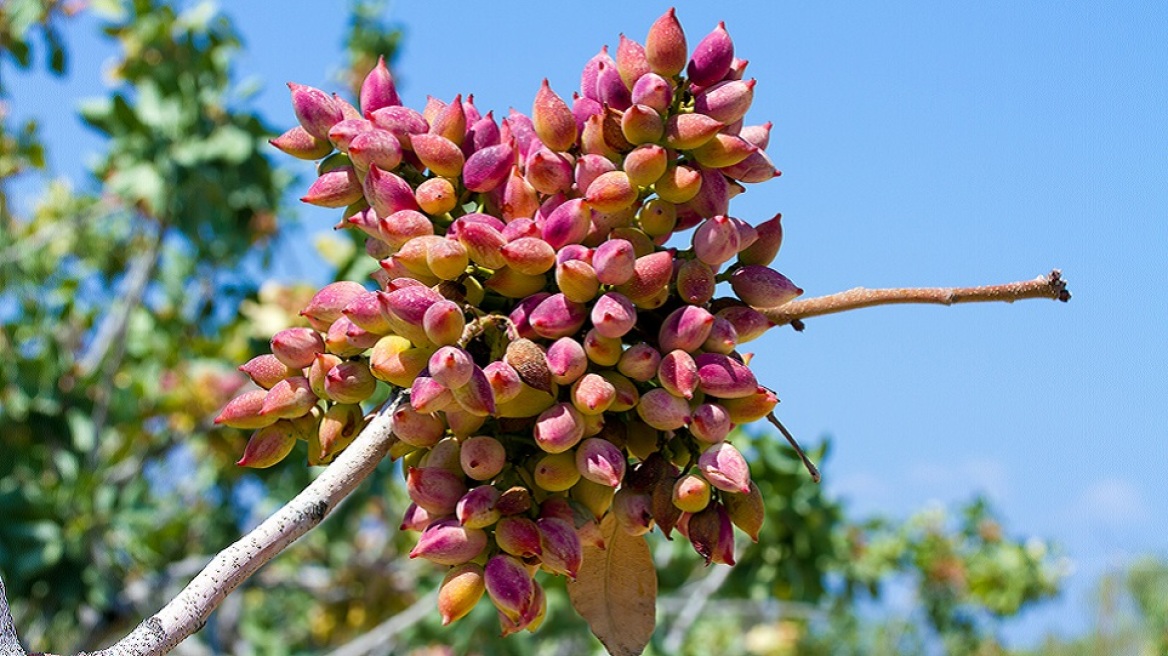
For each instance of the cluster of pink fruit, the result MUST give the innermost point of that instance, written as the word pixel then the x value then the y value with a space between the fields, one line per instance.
pixel 561 362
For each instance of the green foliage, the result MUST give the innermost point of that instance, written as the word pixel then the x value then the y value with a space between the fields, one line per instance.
pixel 20 20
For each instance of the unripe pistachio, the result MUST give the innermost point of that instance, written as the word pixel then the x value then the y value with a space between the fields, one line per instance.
pixel 447 543
pixel 770 238
pixel 401 122
pixel 632 511
pixel 444 322
pixel 645 164
pixel 725 101
pixel 395 360
pixel 244 411
pixel 436 196
pixel 678 184
pixel 504 380
pixel 346 339
pixel 559 428
pixel 604 351
pixel 449 121
pixel 518 536
pixel 695 282
pixel 339 426
pixel 654 91
pixel 561 547
pixel 529 255
pixel 657 217
pixel 723 338
pixel 746 511
pixel 613 315
pixel 488 168
pixel 612 90
pixel 446 454
pixel 350 382
pixel 590 167
pixel 663 410
pixel 521 227
pixel 631 61
pixel 556 472
pixel 521 314
pixel 712 199
pixel 745 409
pixel 711 423
pixel 482 133
pixel 685 328
pixel 711 58
pixel 596 497
pixel 439 154
pixel 577 281
pixel 374 147
pixel 482 457
pixel 378 89
pixel 553 120
pixel 716 241
pixel 460 591
pixel 592 141
pixel 566 360
pixel 447 259
pixel 665 47
pixel 689 131
pixel 509 586
pixel 267 370
pixel 557 316
pixel 476 508
pixel 748 323
pixel 651 274
pixel 600 462
pixel 428 395
pixel 435 489
pixel 268 445
pixel 584 108
pixel 567 224
pixel 416 428
pixel 316 110
pixel 367 313
pixel 691 493
pixel 678 374
pixel 483 243
pixel 722 151
pixel 639 362
pixel 707 532
pixel 549 172
pixel 756 167
pixel 462 423
pixel 476 396
pixel 298 143
pixel 763 287
pixel 627 395
pixel 402 226
pixel 451 366
pixel 725 468
pixel 289 398
pixel 415 518
pixel 336 188
pixel 574 252
pixel 592 394
pixel 388 193
pixel 611 192
pixel 724 377
pixel 641 124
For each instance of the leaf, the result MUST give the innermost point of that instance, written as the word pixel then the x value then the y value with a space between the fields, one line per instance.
pixel 616 590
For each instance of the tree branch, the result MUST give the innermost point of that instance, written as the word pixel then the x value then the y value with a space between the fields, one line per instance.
pixel 1050 286
pixel 9 641
pixel 188 612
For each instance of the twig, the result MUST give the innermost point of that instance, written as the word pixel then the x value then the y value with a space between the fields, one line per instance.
pixel 188 612
pixel 811 468
pixel 1050 286
pixel 9 641
pixel 382 634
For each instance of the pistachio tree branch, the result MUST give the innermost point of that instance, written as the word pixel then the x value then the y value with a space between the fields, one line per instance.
pixel 1050 286
pixel 9 641
pixel 188 612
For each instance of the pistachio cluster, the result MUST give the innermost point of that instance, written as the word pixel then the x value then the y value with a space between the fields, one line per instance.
pixel 561 361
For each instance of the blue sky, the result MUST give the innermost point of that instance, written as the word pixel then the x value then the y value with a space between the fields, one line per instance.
pixel 921 143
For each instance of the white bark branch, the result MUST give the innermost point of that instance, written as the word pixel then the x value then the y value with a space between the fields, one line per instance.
pixel 188 612
pixel 9 641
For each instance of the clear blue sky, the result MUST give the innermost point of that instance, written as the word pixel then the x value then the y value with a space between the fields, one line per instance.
pixel 920 143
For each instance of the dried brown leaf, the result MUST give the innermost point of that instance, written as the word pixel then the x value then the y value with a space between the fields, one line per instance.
pixel 616 590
